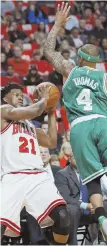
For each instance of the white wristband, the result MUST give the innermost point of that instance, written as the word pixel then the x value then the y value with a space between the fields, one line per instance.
pixel 83 205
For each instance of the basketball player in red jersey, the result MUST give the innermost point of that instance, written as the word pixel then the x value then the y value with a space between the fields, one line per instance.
pixel 24 181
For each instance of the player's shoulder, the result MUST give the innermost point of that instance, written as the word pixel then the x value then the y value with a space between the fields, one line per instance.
pixel 72 71
pixel 5 106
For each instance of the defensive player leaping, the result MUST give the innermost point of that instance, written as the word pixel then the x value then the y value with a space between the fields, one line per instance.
pixel 85 98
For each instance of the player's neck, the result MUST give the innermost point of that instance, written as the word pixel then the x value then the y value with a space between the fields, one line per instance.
pixel 90 64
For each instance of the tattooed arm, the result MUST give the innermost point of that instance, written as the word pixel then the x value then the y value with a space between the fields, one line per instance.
pixel 60 64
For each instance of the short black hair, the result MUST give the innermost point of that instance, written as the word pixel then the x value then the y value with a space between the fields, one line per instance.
pixel 65 51
pixel 8 87
pixel 44 123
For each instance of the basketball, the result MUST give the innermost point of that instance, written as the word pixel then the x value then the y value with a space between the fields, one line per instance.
pixel 54 94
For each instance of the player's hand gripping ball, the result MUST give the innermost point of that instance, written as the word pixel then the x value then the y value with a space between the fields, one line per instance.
pixel 53 94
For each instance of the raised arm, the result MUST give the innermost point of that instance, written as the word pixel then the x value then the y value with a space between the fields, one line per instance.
pixel 8 112
pixel 60 64
pixel 48 140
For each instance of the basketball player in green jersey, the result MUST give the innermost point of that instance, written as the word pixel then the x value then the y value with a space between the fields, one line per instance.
pixel 85 98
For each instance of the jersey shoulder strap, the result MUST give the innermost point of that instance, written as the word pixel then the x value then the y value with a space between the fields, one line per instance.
pixel 69 76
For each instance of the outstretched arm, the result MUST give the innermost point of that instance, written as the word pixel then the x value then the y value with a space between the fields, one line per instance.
pixel 60 64
pixel 8 112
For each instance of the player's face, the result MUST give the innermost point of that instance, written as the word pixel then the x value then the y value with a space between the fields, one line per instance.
pixel 15 98
pixel 45 155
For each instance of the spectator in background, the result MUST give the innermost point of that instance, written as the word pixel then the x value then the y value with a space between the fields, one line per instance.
pixel 6 48
pixel 65 45
pixel 46 160
pixel 42 27
pixel 65 154
pixel 19 43
pixel 89 18
pixel 75 194
pixel 39 38
pixel 10 76
pixel 103 6
pixel 33 77
pixel 20 66
pixel 49 167
pixel 54 160
pixel 103 18
pixel 75 34
pixel 61 36
pixel 92 40
pixel 4 64
pixel 44 127
pixel 43 67
pixel 98 30
pixel 7 20
pixel 18 14
pixel 36 15
pixel 103 45
pixel 15 34
pixel 6 6
pixel 83 33
pixel 41 34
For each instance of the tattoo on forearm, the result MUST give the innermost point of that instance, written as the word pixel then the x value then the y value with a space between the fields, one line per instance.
pixel 41 106
pixel 49 50
pixel 51 39
pixel 60 64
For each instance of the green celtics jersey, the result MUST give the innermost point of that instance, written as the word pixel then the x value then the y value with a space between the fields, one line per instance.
pixel 84 93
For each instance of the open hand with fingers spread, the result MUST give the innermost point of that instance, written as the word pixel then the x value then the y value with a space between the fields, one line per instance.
pixel 62 14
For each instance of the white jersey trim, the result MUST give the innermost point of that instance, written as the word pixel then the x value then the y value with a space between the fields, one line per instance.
pixel 11 225
pixel 69 75
pixel 86 118
pixel 6 128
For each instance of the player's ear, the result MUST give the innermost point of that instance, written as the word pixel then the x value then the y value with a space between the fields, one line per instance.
pixel 5 99
pixel 80 61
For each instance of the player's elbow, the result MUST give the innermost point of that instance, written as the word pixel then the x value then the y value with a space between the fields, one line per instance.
pixel 52 144
pixel 47 51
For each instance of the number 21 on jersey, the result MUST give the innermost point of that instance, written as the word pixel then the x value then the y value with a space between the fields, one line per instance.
pixel 25 144
pixel 85 99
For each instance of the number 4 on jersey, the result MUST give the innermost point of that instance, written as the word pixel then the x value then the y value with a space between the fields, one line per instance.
pixel 84 99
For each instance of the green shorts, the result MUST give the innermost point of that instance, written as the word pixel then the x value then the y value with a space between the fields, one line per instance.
pixel 89 144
